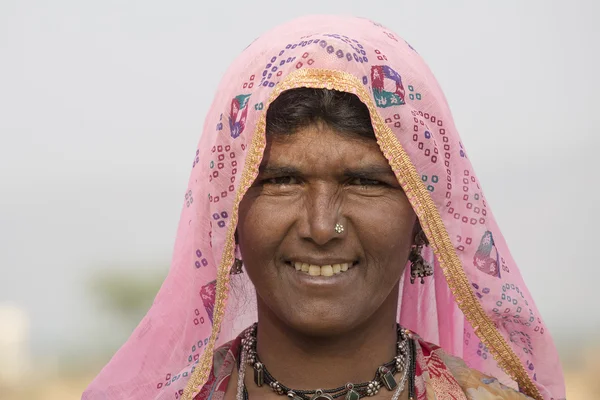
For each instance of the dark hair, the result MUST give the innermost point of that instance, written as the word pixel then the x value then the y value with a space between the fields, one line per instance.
pixel 295 109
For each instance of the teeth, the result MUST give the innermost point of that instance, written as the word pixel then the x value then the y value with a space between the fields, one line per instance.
pixel 314 270
pixel 321 270
pixel 326 270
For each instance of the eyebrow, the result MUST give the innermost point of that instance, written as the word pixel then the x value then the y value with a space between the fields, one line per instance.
pixel 369 171
pixel 365 172
pixel 278 170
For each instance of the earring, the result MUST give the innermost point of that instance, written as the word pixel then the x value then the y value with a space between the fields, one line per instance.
pixel 419 268
pixel 236 268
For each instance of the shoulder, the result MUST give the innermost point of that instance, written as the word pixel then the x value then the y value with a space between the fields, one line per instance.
pixel 225 357
pixel 224 362
pixel 475 384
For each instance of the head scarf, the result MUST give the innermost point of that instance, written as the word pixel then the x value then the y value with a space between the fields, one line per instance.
pixel 476 306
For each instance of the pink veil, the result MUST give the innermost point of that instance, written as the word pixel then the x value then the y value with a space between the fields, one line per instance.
pixel 476 306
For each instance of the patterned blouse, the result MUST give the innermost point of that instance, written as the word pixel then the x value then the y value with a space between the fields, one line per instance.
pixel 439 376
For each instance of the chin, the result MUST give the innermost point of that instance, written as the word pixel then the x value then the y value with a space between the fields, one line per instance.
pixel 320 328
pixel 326 322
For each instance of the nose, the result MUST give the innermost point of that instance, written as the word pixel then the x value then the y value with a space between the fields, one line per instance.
pixel 322 211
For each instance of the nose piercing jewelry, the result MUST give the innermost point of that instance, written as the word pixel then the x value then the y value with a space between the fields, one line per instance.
pixel 339 229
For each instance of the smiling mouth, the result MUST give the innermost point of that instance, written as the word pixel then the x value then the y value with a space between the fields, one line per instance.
pixel 321 270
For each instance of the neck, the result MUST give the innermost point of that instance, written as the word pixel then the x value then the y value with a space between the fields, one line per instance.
pixel 301 361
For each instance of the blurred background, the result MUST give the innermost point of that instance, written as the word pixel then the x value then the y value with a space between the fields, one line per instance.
pixel 102 103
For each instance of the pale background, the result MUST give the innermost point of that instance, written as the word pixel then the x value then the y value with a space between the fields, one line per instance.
pixel 102 104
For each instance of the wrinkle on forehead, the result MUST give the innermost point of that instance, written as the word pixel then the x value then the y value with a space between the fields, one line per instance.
pixel 320 126
pixel 319 146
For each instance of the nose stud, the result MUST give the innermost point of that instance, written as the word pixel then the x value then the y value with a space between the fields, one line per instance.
pixel 339 229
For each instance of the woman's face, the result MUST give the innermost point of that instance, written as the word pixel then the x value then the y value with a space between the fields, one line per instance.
pixel 308 182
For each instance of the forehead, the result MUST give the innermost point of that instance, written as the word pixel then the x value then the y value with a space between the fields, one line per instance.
pixel 318 145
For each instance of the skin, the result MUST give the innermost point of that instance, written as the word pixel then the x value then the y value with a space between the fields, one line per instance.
pixel 321 332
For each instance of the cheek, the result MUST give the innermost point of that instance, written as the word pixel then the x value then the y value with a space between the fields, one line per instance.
pixel 260 230
pixel 385 231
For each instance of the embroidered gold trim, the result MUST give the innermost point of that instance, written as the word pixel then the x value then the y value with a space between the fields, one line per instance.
pixel 253 159
pixel 421 201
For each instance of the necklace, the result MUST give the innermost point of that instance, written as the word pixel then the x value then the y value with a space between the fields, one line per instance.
pixel 384 375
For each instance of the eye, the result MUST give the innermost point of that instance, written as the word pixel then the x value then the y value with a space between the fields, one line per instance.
pixel 281 181
pixel 366 182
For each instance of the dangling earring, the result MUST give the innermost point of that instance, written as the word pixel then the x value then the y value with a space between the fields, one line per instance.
pixel 236 268
pixel 419 268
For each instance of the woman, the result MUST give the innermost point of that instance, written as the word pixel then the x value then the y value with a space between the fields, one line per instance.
pixel 331 200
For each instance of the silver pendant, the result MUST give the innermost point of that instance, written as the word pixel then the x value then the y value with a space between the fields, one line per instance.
pixel 259 374
pixel 293 396
pixel 388 378
pixel 319 395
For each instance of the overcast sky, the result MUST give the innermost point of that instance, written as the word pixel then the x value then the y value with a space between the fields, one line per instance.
pixel 102 104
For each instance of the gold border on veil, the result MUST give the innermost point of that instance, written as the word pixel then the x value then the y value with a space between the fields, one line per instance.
pixel 422 203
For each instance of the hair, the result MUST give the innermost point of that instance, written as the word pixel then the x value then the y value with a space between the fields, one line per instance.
pixel 295 109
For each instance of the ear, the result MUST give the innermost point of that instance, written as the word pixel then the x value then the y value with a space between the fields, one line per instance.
pixel 416 229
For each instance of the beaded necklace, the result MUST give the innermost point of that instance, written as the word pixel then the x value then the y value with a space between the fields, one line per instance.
pixel 384 375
